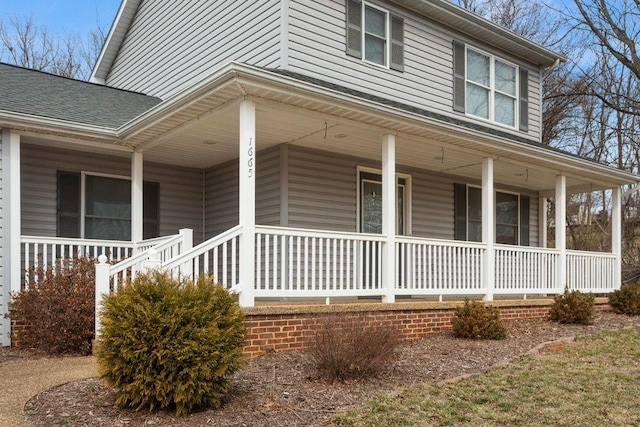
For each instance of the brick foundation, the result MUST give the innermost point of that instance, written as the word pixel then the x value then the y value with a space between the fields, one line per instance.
pixel 282 328
pixel 290 328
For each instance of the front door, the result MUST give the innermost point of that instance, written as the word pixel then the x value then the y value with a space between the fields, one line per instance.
pixel 371 204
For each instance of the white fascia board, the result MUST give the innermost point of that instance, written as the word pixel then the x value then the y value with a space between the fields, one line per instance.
pixel 20 121
pixel 114 40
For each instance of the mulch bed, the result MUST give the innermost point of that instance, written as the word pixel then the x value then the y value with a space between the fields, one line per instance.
pixel 297 397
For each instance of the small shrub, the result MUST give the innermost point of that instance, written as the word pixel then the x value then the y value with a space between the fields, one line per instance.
pixel 349 346
pixel 626 300
pixel 168 343
pixel 573 307
pixel 58 308
pixel 475 321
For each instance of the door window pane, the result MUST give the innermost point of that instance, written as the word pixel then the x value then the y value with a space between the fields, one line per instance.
pixel 474 214
pixel 371 207
pixel 507 218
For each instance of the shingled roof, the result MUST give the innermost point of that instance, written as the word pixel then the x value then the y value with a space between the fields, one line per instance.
pixel 46 95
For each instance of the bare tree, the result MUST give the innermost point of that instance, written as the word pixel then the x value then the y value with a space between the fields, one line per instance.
pixel 25 44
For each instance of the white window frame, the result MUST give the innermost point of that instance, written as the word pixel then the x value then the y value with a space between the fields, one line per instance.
pixel 387 34
pixel 407 196
pixel 83 208
pixel 492 87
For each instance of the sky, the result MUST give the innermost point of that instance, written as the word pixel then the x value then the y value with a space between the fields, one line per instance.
pixel 64 17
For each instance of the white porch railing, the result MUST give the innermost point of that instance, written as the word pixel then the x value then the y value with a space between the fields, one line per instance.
pixel 45 251
pixel 157 250
pixel 294 262
pixel 525 270
pixel 217 256
pixel 591 271
pixel 438 267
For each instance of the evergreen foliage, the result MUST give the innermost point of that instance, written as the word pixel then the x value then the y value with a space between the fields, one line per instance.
pixel 475 321
pixel 168 343
pixel 573 307
pixel 626 300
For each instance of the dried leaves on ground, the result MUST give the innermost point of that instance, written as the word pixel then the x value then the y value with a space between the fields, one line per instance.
pixel 282 389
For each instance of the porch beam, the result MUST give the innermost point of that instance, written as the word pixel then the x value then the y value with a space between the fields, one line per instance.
pixel 389 190
pixel 488 227
pixel 616 234
pixel 137 197
pixel 11 223
pixel 561 233
pixel 246 201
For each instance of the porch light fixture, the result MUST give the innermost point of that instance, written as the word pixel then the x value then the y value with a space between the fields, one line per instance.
pixel 441 156
pixel 209 142
pixel 341 135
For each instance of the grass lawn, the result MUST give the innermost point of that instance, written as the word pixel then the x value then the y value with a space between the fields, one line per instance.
pixel 591 382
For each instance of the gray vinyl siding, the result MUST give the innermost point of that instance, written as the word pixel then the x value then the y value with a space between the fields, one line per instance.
pixel 221 199
pixel 186 41
pixel 180 188
pixel 323 195
pixel 322 190
pixel 317 47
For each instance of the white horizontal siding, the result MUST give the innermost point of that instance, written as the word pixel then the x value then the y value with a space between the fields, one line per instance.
pixel 180 188
pixel 317 48
pixel 171 45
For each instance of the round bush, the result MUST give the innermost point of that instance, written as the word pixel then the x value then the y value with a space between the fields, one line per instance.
pixel 475 321
pixel 166 343
pixel 626 300
pixel 573 307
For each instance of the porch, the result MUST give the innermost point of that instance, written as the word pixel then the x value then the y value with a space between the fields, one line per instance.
pixel 293 190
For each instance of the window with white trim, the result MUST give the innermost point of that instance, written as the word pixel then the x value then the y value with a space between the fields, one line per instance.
pixel 95 206
pixel 511 216
pixel 375 35
pixel 490 88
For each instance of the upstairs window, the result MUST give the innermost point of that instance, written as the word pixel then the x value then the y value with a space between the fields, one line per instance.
pixel 490 88
pixel 375 35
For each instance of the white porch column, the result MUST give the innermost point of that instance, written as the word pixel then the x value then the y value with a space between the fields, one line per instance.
pixel 561 231
pixel 247 202
pixel 542 221
pixel 137 201
pixel 616 235
pixel 488 227
pixel 389 217
pixel 11 223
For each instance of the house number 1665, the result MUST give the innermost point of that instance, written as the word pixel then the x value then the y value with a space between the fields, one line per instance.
pixel 250 154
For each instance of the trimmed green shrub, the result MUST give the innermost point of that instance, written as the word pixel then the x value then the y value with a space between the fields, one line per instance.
pixel 573 307
pixel 476 321
pixel 57 309
pixel 350 346
pixel 626 300
pixel 169 343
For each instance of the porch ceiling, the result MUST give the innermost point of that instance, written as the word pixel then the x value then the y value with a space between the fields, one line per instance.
pixel 212 139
